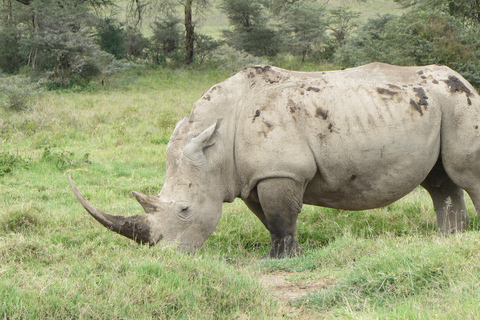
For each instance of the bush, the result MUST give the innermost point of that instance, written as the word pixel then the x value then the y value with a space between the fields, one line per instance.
pixel 205 47
pixel 111 38
pixel 412 39
pixel 16 92
pixel 166 41
pixel 233 60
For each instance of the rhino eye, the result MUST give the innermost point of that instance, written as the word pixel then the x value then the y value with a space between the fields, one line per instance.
pixel 184 213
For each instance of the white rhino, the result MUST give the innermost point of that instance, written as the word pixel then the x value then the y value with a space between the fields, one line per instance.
pixel 353 139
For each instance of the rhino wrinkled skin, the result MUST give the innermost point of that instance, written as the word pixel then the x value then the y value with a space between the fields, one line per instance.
pixel 353 139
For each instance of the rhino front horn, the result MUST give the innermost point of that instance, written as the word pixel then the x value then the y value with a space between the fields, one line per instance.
pixel 136 227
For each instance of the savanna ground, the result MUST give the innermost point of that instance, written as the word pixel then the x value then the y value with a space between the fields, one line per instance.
pixel 56 262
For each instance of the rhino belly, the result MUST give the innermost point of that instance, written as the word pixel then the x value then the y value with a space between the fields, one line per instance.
pixel 371 173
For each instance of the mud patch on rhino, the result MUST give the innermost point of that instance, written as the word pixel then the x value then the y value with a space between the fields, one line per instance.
pixel 256 115
pixel 314 89
pixel 321 113
pixel 262 69
pixel 422 96
pixel 455 85
pixel 385 91
pixel 416 107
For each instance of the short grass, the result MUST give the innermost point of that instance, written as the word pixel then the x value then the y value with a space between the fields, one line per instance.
pixel 56 262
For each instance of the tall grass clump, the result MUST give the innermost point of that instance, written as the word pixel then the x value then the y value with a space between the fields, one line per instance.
pixel 93 283
pixel 9 161
pixel 386 277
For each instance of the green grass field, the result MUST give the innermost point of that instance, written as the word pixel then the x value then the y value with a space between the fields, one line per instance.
pixel 56 262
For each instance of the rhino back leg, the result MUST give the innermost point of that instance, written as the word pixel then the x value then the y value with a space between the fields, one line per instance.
pixel 279 203
pixel 448 200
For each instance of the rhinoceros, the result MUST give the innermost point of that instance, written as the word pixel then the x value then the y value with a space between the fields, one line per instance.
pixel 353 139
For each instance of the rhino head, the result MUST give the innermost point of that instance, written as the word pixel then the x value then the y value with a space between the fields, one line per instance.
pixel 189 206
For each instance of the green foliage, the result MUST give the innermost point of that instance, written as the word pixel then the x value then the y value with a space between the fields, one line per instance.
pixel 63 159
pixel 9 162
pixel 17 92
pixel 205 47
pixel 136 44
pixel 10 56
pixel 111 38
pixel 250 30
pixel 303 28
pixel 418 38
pixel 466 10
pixel 233 60
pixel 342 22
pixel 166 40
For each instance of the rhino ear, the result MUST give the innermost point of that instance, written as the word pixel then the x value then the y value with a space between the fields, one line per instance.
pixel 194 148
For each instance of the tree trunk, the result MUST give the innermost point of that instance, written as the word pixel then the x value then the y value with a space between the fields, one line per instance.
pixel 189 32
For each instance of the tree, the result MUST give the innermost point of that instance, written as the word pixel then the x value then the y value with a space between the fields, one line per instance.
pixel 165 40
pixel 467 10
pixel 342 22
pixel 168 8
pixel 418 38
pixel 111 37
pixel 303 27
pixel 250 30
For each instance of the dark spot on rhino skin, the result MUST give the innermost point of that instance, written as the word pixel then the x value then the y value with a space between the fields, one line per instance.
pixel 435 81
pixel 330 127
pixel 291 105
pixel 257 114
pixel 476 127
pixel 321 113
pixel 260 69
pixel 423 77
pixel 268 124
pixel 206 97
pixel 386 91
pixel 353 177
pixel 313 89
pixel 469 101
pixel 456 85
pixel 392 86
pixel 420 72
pixel 251 75
pixel 421 95
pixel 272 81
pixel 416 107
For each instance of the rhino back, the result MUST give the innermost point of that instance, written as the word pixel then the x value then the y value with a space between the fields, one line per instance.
pixel 358 138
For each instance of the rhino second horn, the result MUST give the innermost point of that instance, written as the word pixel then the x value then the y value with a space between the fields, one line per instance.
pixel 136 227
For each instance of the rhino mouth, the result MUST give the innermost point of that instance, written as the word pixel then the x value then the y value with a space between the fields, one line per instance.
pixel 137 228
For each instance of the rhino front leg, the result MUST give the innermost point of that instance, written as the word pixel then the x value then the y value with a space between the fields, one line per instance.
pixel 280 201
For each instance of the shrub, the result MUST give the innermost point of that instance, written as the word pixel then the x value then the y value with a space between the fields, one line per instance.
pixel 111 38
pixel 16 92
pixel 233 60
pixel 166 41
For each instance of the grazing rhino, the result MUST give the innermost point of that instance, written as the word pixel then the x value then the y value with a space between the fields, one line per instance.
pixel 352 139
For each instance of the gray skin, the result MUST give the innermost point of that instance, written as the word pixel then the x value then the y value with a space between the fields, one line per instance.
pixel 352 139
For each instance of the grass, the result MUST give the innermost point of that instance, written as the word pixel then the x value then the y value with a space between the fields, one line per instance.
pixel 56 262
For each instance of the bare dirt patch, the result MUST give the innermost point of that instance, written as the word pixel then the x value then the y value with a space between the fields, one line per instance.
pixel 286 291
